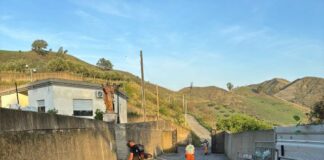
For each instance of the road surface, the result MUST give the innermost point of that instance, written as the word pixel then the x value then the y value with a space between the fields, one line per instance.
pixel 202 133
pixel 199 130
pixel 199 155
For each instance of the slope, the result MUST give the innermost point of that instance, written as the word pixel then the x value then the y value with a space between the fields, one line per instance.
pixel 305 91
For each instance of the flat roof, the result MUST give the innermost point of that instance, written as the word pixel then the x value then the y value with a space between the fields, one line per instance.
pixel 58 82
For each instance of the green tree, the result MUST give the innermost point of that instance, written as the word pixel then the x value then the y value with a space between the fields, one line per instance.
pixel 229 86
pixel 104 64
pixel 38 45
pixel 57 65
pixel 316 115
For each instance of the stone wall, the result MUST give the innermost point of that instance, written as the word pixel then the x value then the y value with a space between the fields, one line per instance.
pixel 243 144
pixel 30 135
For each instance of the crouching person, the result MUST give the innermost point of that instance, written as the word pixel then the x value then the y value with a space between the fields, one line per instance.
pixel 136 151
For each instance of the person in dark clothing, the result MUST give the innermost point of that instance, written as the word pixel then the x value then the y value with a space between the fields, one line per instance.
pixel 134 152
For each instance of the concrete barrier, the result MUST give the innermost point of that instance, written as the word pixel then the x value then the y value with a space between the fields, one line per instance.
pixel 29 136
pixel 242 145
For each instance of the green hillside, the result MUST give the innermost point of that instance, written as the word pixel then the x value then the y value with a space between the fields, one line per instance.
pixel 207 104
pixel 14 62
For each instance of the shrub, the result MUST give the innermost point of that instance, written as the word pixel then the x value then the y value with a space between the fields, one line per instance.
pixel 57 65
pixel 52 111
pixel 240 123
pixel 99 114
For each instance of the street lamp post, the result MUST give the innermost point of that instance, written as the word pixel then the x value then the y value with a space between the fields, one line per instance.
pixel 31 70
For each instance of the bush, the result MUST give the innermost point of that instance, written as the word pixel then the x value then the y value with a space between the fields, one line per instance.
pixel 240 123
pixel 99 114
pixel 52 111
pixel 57 65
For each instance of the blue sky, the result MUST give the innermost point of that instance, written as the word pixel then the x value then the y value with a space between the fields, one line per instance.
pixel 206 42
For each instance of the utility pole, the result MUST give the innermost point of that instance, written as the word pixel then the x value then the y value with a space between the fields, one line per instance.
pixel 157 102
pixel 143 91
pixel 186 112
pixel 17 93
pixel 183 102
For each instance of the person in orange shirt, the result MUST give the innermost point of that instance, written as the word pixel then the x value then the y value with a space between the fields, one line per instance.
pixel 190 152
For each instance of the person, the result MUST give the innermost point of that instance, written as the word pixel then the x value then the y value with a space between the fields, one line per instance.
pixel 205 146
pixel 134 152
pixel 190 152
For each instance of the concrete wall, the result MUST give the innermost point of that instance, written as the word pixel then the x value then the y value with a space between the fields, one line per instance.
pixel 243 144
pixel 121 107
pixel 63 99
pixel 46 94
pixel 30 135
pixel 156 136
pixel 11 99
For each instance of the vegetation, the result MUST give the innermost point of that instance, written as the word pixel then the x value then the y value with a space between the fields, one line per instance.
pixel 39 46
pixel 240 123
pixel 316 115
pixel 57 65
pixel 104 64
pixel 52 111
pixel 99 114
pixel 217 102
pixel 229 86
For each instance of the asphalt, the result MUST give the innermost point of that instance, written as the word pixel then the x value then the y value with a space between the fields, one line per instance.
pixel 199 155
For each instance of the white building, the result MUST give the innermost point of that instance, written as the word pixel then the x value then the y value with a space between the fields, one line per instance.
pixel 73 98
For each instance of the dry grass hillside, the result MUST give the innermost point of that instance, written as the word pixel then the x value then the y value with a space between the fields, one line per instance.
pixel 272 86
pixel 207 104
pixel 305 91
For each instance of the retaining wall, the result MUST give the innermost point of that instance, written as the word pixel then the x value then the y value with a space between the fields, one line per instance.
pixel 29 136
pixel 243 144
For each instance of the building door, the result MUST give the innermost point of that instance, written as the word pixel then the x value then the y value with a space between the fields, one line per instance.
pixel 82 107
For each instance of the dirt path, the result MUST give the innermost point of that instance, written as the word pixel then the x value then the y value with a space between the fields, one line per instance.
pixel 199 130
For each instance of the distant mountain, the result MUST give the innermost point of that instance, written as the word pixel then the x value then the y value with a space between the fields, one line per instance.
pixel 272 86
pixel 204 93
pixel 305 91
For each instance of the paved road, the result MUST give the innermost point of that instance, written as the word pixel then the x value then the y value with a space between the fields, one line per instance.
pixel 199 155
pixel 199 130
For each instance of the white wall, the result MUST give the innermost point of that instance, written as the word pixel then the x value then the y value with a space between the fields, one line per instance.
pixel 61 98
pixel 120 104
pixel 44 93
pixel 64 95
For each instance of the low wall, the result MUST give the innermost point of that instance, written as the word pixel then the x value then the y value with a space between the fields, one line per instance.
pixel 157 137
pixel 29 135
pixel 243 144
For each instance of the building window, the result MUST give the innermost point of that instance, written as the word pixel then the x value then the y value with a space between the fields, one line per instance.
pixel 41 106
pixel 82 107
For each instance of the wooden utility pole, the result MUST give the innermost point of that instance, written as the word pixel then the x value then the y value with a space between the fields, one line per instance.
pixel 143 91
pixel 186 112
pixel 157 102
pixel 17 93
pixel 183 102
